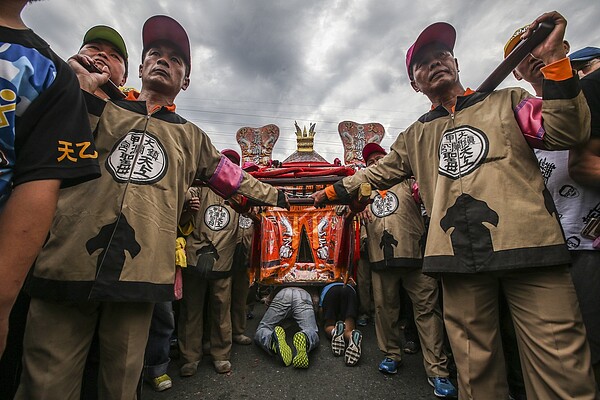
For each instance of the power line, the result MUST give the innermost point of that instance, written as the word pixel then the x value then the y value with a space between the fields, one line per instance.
pixel 246 124
pixel 252 115
pixel 295 105
pixel 318 139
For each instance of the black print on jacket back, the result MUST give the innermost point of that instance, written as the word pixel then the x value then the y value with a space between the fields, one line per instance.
pixel 471 239
pixel 549 204
pixel 112 257
pixel 207 255
pixel 551 207
pixel 388 241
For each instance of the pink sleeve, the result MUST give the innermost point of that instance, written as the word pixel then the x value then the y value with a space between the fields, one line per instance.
pixel 529 117
pixel 226 179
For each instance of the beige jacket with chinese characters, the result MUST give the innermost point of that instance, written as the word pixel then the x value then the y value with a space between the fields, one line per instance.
pixel 211 245
pixel 112 239
pixel 479 178
pixel 395 233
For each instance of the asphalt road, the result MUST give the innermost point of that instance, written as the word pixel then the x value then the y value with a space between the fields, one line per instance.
pixel 256 375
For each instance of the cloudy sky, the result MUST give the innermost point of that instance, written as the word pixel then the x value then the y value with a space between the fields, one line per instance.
pixel 256 62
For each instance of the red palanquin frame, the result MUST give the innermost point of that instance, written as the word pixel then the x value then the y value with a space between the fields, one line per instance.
pixel 272 266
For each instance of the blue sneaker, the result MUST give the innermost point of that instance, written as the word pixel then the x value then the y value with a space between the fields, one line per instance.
pixel 389 366
pixel 362 320
pixel 442 387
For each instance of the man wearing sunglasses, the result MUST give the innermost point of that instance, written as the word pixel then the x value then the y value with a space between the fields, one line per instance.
pixel 584 161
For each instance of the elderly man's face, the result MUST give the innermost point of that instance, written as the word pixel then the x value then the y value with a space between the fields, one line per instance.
pixel 374 158
pixel 164 69
pixel 434 69
pixel 587 67
pixel 105 53
pixel 530 70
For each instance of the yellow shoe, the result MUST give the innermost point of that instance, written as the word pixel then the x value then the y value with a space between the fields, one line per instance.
pixel 161 383
pixel 280 346
pixel 301 345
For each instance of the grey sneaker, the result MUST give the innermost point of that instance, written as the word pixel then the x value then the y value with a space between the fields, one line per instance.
pixel 338 344
pixel 411 347
pixel 354 349
pixel 188 369
pixel 222 367
pixel 242 339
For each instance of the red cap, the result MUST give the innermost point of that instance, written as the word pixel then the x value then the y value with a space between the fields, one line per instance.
pixel 441 32
pixel 232 155
pixel 249 166
pixel 371 148
pixel 161 27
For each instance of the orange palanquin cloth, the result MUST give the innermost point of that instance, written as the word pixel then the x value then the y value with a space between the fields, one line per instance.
pixel 281 234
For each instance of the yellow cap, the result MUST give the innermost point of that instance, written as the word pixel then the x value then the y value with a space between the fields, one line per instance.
pixel 514 40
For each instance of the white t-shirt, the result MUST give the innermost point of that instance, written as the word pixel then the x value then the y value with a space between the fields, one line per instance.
pixel 575 203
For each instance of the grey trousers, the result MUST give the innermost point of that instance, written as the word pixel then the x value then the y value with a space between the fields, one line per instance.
pixel 290 302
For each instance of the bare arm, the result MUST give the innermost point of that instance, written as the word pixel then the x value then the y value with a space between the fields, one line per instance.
pixel 584 163
pixel 25 222
pixel 190 209
pixel 566 125
pixel 88 81
pixel 551 49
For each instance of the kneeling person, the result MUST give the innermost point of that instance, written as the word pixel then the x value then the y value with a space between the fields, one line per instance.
pixel 289 303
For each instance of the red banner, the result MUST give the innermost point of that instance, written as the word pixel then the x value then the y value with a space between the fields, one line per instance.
pixel 302 245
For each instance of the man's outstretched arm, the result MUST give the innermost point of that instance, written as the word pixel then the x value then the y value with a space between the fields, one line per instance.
pixel 389 171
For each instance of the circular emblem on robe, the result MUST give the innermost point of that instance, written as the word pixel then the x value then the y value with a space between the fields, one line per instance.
pixel 461 151
pixel 569 191
pixel 383 206
pixel 216 217
pixel 245 222
pixel 139 158
pixel 573 242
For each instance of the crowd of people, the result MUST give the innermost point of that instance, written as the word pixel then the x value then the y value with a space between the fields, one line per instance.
pixel 485 215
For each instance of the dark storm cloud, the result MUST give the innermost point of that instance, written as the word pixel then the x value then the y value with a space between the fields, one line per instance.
pixel 265 61
pixel 259 39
